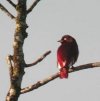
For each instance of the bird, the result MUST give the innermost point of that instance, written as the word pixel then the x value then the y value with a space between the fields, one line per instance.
pixel 67 55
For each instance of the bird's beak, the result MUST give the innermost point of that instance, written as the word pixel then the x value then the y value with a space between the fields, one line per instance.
pixel 59 41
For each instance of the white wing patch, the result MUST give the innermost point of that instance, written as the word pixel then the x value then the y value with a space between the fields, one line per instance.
pixel 64 63
pixel 59 67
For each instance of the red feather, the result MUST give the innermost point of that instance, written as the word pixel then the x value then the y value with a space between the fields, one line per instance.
pixel 63 73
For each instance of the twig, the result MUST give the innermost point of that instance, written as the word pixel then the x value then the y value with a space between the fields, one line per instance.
pixel 6 11
pixel 12 3
pixel 39 59
pixel 56 75
pixel 32 6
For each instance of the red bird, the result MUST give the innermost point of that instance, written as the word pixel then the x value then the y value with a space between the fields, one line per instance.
pixel 67 55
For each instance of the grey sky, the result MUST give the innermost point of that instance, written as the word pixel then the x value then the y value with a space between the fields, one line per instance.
pixel 47 23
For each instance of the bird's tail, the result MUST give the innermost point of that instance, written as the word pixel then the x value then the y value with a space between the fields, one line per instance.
pixel 63 73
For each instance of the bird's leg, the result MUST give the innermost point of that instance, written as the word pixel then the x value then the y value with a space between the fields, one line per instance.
pixel 72 68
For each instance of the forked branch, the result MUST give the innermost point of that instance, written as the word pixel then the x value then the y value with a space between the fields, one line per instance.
pixel 32 6
pixel 6 11
pixel 56 75
pixel 39 59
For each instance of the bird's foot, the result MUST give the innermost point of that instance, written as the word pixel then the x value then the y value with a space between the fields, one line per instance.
pixel 71 69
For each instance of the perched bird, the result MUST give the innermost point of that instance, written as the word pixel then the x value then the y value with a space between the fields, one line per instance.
pixel 67 55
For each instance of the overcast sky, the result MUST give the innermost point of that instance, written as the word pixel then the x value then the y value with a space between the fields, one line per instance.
pixel 49 21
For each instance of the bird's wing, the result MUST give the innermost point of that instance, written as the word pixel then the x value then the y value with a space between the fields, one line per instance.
pixel 72 62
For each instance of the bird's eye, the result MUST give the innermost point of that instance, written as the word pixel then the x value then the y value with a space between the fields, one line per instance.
pixel 65 39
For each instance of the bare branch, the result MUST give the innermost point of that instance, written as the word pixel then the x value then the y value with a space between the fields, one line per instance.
pixel 85 66
pixel 6 11
pixel 10 1
pixel 39 59
pixel 39 83
pixel 52 77
pixel 32 6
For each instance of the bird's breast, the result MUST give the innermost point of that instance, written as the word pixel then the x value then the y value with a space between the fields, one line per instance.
pixel 64 56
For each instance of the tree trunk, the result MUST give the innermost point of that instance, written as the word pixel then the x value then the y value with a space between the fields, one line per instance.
pixel 18 56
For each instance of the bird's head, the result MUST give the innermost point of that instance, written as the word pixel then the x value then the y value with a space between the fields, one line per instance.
pixel 66 39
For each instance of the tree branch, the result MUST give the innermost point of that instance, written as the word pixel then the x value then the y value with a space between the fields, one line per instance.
pixel 32 6
pixel 12 3
pixel 38 60
pixel 39 84
pixel 6 11
pixel 56 75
